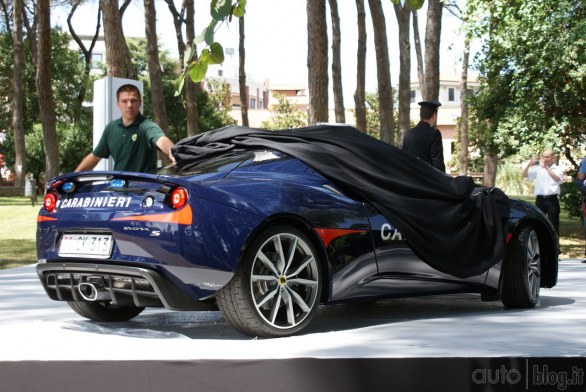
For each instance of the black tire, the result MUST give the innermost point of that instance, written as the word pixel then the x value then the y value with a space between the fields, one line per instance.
pixel 277 286
pixel 104 311
pixel 522 271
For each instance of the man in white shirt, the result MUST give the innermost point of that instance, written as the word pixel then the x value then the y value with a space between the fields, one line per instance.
pixel 547 177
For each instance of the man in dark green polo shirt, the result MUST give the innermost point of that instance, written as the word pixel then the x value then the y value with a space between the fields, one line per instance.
pixel 131 140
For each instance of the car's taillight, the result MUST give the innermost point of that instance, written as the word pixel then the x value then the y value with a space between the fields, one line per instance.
pixel 50 202
pixel 178 197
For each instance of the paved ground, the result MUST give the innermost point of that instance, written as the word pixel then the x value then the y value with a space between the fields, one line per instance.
pixel 33 327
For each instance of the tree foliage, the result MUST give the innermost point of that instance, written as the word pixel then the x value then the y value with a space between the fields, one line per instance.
pixel 373 115
pixel 213 105
pixel 196 67
pixel 533 76
pixel 74 123
pixel 66 66
pixel 286 116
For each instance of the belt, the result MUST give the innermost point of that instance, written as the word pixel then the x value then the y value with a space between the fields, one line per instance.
pixel 547 196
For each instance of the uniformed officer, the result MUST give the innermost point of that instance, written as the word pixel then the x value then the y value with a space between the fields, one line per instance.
pixel 425 140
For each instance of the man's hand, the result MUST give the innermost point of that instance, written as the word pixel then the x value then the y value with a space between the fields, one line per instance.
pixel 88 163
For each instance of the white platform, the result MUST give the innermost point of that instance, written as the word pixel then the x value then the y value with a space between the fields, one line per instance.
pixel 35 328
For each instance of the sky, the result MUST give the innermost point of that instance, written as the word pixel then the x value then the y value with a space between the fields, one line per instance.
pixel 276 38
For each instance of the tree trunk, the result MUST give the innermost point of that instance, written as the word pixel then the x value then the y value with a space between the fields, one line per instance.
pixel 490 166
pixel 32 36
pixel 118 63
pixel 337 64
pixel 154 66
pixel 464 110
pixel 433 32
pixel 44 89
pixel 317 61
pixel 191 88
pixel 18 96
pixel 178 23
pixel 359 94
pixel 385 91
pixel 242 73
pixel 87 53
pixel 189 95
pixel 6 13
pixel 403 13
pixel 155 73
pixel 418 54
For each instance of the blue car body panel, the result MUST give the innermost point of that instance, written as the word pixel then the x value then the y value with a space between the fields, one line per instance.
pixel 194 251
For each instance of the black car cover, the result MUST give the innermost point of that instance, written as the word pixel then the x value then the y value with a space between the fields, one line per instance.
pixel 449 222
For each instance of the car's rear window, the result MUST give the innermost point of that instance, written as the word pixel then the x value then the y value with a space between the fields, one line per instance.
pixel 221 163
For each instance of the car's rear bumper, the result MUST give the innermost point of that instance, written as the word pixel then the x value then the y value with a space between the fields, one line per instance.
pixel 121 285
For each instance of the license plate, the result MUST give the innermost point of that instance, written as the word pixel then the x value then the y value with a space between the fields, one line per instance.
pixel 85 245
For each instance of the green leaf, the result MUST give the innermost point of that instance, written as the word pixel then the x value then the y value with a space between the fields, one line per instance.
pixel 179 84
pixel 216 53
pixel 209 32
pixel 415 4
pixel 200 38
pixel 205 55
pixel 240 9
pixel 188 56
pixel 220 9
pixel 198 70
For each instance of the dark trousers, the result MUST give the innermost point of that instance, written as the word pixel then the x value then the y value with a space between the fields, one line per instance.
pixel 550 205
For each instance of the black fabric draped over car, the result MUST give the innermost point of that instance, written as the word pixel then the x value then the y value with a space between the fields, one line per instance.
pixel 451 223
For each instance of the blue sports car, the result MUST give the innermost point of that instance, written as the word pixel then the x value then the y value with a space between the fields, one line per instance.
pixel 266 226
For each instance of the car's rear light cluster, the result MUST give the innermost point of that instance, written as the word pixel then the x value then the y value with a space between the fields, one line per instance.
pixel 178 197
pixel 50 202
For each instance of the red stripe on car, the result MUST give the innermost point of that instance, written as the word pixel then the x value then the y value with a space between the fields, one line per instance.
pixel 327 235
pixel 182 217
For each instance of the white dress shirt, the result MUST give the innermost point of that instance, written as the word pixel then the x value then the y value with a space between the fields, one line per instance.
pixel 544 184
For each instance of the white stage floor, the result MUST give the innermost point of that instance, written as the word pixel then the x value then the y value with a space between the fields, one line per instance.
pixel 35 328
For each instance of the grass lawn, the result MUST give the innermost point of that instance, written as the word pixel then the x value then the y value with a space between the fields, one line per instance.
pixel 18 220
pixel 571 237
pixel 571 233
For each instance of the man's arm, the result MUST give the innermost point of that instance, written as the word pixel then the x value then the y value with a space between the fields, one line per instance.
pixel 164 144
pixel 88 163
pixel 437 152
pixel 531 163
pixel 557 175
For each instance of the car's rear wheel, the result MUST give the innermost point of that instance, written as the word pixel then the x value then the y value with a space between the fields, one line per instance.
pixel 276 289
pixel 105 311
pixel 522 271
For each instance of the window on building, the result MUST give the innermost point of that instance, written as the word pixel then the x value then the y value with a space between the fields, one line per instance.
pixel 220 72
pixel 252 103
pixel 451 94
pixel 412 95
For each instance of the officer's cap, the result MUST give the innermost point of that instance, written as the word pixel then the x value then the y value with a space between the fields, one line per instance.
pixel 430 104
